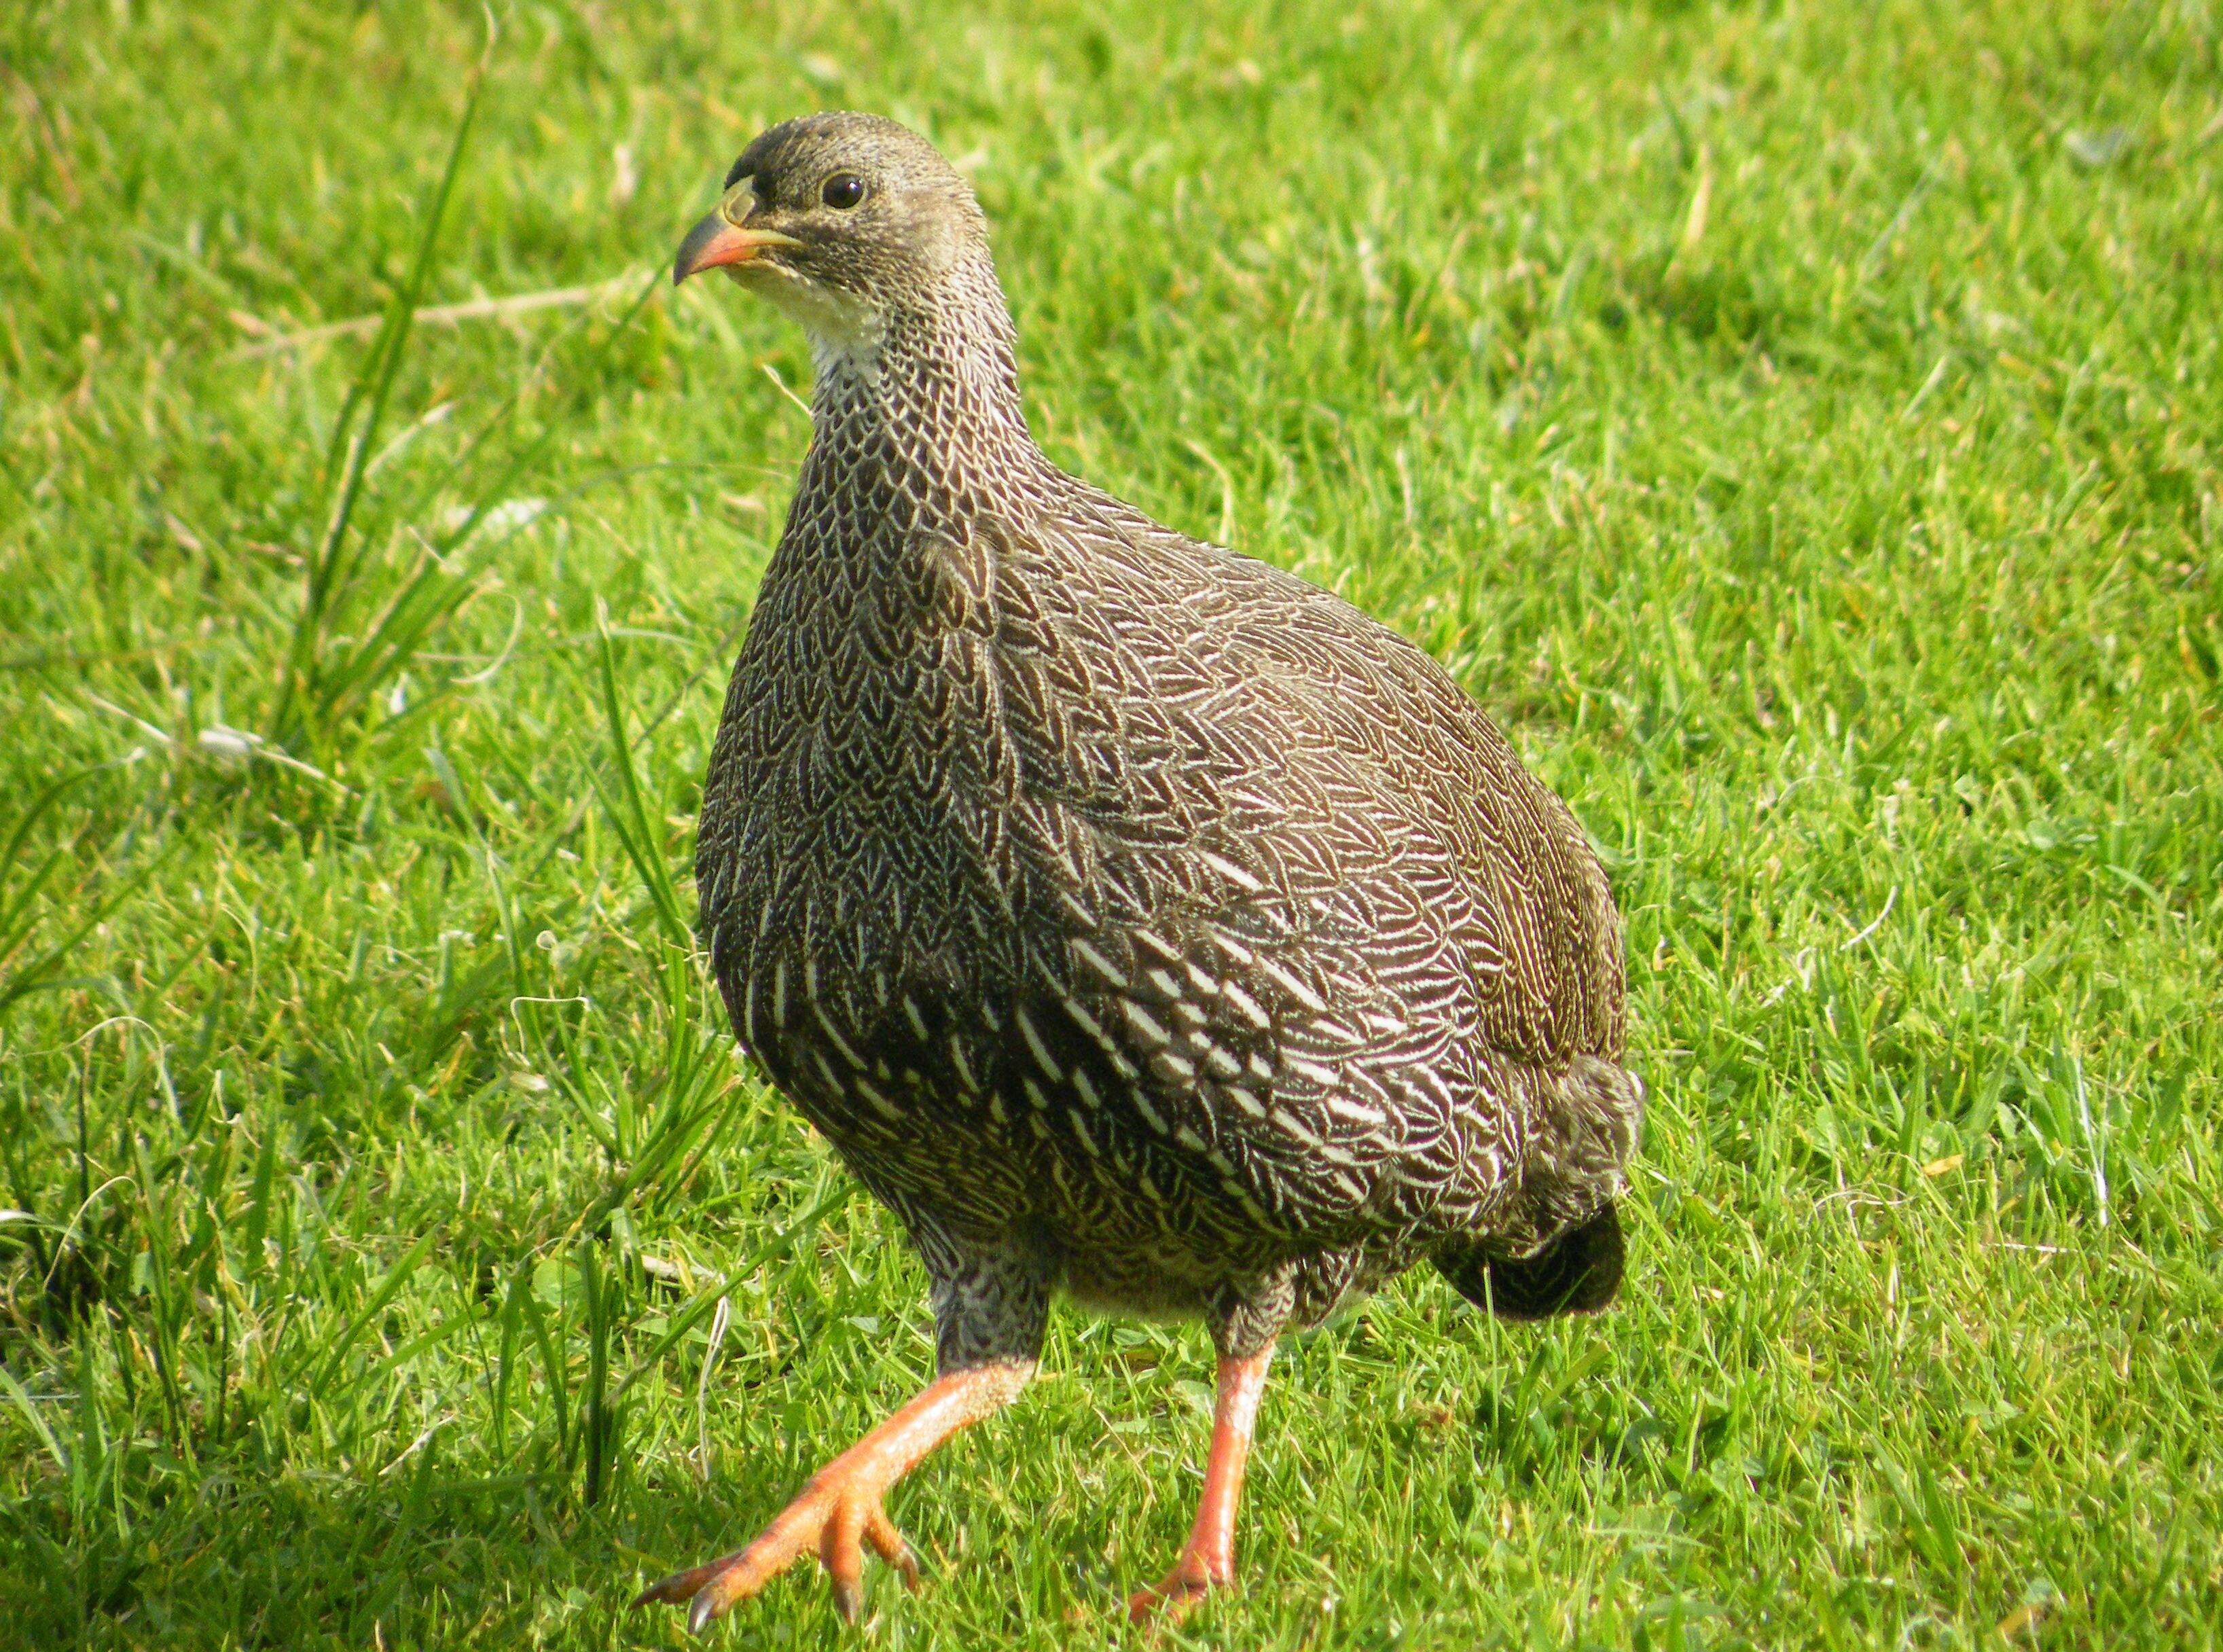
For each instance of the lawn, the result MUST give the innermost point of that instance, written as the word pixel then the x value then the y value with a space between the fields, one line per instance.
pixel 1801 425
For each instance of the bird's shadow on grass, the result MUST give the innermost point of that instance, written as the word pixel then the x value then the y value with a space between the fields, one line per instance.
pixel 426 1554
pixel 417 1558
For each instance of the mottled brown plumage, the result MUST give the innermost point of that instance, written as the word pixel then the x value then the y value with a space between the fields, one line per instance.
pixel 1137 921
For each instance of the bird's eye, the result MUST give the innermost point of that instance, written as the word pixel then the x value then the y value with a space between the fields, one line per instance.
pixel 843 190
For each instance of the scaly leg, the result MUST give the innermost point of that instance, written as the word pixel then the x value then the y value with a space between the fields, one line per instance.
pixel 1208 1563
pixel 840 1510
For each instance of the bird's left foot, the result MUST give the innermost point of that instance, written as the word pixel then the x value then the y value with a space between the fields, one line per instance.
pixel 1208 1562
pixel 1195 1576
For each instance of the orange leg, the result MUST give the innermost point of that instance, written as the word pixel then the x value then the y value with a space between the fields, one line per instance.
pixel 840 1510
pixel 1208 1563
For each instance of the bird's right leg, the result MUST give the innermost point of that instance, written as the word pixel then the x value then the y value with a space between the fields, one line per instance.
pixel 840 1510
pixel 990 1315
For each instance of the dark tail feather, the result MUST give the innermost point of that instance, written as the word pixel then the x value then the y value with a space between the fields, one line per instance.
pixel 1578 1272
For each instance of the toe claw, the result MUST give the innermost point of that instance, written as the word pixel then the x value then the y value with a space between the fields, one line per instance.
pixel 703 1613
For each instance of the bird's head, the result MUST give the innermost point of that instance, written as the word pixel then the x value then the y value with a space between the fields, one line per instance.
pixel 841 220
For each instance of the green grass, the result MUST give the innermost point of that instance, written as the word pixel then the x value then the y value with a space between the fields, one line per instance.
pixel 1800 425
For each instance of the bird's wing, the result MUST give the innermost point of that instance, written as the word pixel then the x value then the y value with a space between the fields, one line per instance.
pixel 1178 695
pixel 1319 926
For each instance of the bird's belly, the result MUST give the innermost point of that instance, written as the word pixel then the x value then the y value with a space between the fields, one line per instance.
pixel 1150 1138
pixel 924 1108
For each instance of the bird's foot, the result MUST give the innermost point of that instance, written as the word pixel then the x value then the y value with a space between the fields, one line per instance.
pixel 840 1510
pixel 1195 1575
pixel 837 1514
pixel 1208 1560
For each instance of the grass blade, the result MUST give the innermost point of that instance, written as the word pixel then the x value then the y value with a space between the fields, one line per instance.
pixel 356 432
pixel 334 1347
pixel 628 814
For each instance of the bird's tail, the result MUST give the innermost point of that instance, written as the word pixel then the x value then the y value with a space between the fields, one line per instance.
pixel 1577 1272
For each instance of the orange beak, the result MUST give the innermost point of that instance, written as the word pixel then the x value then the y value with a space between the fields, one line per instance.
pixel 715 241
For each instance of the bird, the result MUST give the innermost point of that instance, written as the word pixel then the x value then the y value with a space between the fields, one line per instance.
pixel 1146 928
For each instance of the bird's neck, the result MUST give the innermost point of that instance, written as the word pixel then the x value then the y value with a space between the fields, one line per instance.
pixel 918 407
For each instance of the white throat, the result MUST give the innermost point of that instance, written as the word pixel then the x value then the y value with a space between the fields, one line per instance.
pixel 845 333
